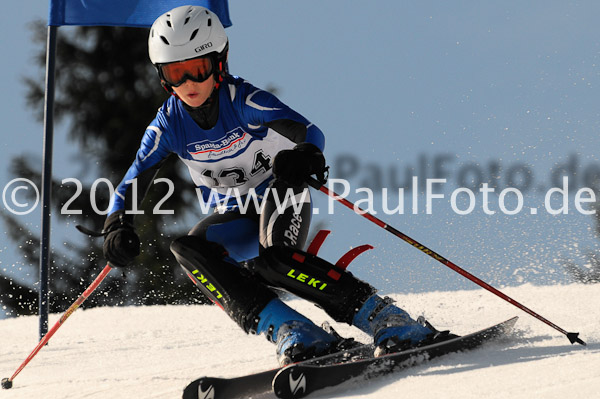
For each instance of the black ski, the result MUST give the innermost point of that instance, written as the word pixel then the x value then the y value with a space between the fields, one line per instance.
pixel 254 386
pixel 331 370
pixel 301 379
pixel 259 385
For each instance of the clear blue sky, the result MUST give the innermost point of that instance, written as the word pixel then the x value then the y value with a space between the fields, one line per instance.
pixel 398 84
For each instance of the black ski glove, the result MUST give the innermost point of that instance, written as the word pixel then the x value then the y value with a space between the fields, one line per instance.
pixel 296 165
pixel 121 242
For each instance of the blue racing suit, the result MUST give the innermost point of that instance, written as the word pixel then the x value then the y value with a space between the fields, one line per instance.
pixel 237 153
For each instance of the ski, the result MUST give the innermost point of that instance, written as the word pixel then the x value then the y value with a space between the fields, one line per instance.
pixel 255 386
pixel 301 379
pixel 331 370
pixel 259 385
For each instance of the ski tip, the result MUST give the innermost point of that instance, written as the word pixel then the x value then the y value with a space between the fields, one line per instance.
pixel 192 390
pixel 510 323
pixel 574 337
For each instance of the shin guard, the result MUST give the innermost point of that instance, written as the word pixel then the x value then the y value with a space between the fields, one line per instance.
pixel 330 287
pixel 222 281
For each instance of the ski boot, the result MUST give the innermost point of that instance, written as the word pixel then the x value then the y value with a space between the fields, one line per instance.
pixel 393 330
pixel 297 337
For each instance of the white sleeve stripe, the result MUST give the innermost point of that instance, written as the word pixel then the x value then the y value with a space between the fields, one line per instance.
pixel 156 140
pixel 254 105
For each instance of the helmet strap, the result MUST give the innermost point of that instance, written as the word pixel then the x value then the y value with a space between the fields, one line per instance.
pixel 221 60
pixel 221 70
pixel 168 88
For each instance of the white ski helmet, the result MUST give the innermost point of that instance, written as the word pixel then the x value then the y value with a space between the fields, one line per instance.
pixel 186 32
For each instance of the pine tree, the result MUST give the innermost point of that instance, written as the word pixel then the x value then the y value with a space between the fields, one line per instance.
pixel 108 91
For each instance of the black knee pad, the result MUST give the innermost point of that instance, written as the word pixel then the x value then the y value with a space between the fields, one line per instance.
pixel 223 282
pixel 332 288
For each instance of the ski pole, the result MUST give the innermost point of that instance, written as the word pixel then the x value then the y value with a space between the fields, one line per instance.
pixel 7 382
pixel 573 337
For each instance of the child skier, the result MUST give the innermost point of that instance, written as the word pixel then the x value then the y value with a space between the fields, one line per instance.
pixel 232 135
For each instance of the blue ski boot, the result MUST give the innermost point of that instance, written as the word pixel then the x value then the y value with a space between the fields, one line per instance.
pixel 392 329
pixel 297 337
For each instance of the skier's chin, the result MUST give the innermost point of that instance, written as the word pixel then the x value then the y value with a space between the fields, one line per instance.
pixel 195 100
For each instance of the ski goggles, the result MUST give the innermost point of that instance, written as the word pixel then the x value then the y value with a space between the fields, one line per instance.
pixel 196 69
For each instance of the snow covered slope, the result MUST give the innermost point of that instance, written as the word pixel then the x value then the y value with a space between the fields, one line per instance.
pixel 153 352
